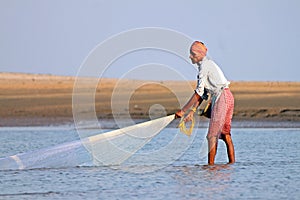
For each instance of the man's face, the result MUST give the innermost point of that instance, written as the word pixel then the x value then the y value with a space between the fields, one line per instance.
pixel 195 58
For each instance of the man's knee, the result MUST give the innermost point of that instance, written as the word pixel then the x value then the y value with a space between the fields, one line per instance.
pixel 212 141
pixel 211 137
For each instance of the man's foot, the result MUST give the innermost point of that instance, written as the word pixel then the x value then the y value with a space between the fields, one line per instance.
pixel 230 148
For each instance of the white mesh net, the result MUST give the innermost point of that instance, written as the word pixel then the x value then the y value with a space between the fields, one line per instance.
pixel 115 147
pixel 111 148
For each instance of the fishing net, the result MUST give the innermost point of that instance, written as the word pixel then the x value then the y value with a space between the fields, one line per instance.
pixel 115 147
pixel 64 155
pixel 105 149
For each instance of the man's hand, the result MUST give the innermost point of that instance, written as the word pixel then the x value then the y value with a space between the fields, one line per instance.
pixel 189 117
pixel 179 114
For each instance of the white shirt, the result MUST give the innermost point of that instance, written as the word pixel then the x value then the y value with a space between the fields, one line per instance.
pixel 210 77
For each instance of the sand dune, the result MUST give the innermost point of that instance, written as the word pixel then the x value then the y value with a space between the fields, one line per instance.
pixel 30 99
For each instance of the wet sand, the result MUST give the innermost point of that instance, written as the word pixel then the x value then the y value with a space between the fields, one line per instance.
pixel 30 99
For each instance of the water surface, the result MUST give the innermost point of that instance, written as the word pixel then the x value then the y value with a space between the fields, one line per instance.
pixel 267 167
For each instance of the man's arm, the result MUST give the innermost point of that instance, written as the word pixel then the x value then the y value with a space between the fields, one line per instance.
pixel 194 102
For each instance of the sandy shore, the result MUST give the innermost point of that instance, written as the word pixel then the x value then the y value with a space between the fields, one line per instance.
pixel 30 99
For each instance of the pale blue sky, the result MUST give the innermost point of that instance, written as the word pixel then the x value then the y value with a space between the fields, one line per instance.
pixel 250 39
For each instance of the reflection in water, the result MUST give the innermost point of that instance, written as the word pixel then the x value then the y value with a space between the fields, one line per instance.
pixel 203 180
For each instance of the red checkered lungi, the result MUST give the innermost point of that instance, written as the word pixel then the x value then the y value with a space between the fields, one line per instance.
pixel 222 111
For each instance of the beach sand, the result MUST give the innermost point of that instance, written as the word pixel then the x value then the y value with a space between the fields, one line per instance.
pixel 32 99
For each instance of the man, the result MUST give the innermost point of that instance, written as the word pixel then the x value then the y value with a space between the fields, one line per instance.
pixel 211 80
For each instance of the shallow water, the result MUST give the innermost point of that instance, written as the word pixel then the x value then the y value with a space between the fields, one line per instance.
pixel 267 167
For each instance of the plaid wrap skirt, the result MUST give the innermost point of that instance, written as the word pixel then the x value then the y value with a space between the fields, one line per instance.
pixel 222 111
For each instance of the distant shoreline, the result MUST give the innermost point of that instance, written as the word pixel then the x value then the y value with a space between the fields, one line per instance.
pixel 46 100
pixel 109 123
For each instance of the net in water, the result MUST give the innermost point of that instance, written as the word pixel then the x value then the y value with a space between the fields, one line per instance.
pixel 111 148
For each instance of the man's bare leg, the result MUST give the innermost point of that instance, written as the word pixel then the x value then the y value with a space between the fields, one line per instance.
pixel 212 149
pixel 230 148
